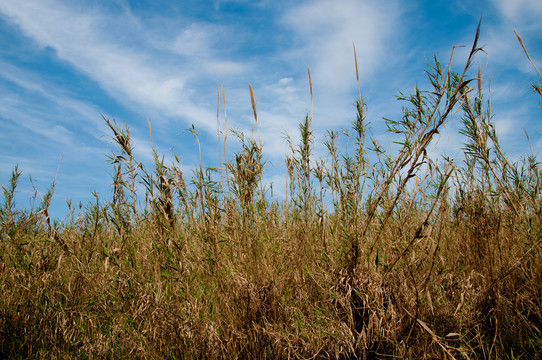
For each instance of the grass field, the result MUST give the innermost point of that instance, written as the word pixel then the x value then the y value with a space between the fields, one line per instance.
pixel 373 254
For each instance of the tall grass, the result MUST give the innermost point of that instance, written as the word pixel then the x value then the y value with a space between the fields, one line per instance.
pixel 373 253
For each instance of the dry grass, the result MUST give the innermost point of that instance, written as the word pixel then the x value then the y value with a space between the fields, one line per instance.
pixel 417 258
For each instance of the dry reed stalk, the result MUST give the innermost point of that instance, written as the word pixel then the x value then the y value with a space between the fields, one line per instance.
pixel 253 102
pixel 312 98
pixel 225 138
pixel 526 53
pixel 219 150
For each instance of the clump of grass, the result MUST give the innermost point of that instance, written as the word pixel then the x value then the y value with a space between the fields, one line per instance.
pixel 373 253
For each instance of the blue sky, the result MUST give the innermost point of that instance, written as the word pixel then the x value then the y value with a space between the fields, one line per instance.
pixel 64 63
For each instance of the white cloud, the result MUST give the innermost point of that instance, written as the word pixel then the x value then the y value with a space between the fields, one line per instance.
pixel 221 68
pixel 142 76
pixel 195 40
pixel 521 11
pixel 502 45
pixel 163 74
pixel 325 31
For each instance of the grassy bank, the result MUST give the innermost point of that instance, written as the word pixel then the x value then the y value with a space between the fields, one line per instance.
pixel 374 253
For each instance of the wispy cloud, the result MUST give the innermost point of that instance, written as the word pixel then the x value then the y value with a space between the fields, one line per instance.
pixel 141 76
pixel 521 11
pixel 162 74
pixel 501 43
pixel 324 32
